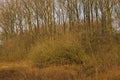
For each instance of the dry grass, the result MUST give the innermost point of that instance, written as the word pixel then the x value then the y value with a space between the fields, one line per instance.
pixel 25 71
pixel 21 64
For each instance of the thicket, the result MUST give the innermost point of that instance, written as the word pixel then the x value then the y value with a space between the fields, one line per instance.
pixel 55 32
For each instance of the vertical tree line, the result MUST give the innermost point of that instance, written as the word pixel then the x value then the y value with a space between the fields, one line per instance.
pixel 41 19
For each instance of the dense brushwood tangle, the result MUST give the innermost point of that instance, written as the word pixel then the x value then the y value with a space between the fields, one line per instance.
pixel 94 24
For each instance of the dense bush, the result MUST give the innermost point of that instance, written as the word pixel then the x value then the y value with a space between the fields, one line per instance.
pixel 64 51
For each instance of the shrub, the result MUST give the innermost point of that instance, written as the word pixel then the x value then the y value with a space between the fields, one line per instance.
pixel 64 51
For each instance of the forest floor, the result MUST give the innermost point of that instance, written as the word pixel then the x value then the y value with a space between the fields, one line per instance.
pixel 25 71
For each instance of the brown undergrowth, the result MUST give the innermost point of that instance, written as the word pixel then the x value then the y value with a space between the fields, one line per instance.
pixel 25 71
